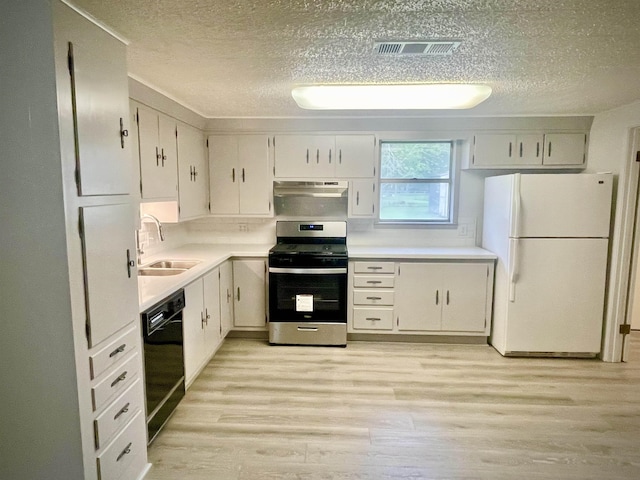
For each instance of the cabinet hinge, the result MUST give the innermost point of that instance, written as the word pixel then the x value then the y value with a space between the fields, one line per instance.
pixel 218 274
pixel 87 330
pixel 268 142
pixel 625 329
pixel 638 156
pixel 274 170
pixel 137 117
pixel 70 59
pixel 274 142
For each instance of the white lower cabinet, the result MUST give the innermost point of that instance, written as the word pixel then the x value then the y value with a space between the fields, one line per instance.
pixel 421 297
pixel 116 459
pixel 201 323
pixel 249 303
pixel 226 297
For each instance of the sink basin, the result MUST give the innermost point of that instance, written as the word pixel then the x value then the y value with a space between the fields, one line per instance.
pixel 160 272
pixel 182 264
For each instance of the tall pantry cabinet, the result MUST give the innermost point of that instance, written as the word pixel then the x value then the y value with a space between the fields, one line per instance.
pixel 71 358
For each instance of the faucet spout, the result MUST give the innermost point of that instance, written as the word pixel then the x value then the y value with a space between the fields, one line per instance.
pixel 157 223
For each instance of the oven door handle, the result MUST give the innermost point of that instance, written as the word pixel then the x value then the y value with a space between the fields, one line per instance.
pixel 308 271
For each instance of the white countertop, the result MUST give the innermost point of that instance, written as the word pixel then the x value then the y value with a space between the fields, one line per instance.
pixel 152 289
pixel 420 253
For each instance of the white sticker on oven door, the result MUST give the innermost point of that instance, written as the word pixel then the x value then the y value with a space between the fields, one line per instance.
pixel 304 303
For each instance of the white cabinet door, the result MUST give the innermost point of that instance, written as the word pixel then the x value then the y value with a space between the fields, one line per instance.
pixel 464 287
pixel 101 113
pixel 226 297
pixel 255 183
pixel 249 304
pixel 494 150
pixel 418 297
pixel 305 156
pixel 565 149
pixel 362 196
pixel 355 156
pixel 193 330
pixel 223 174
pixel 111 282
pixel 158 155
pixel 192 173
pixel 212 330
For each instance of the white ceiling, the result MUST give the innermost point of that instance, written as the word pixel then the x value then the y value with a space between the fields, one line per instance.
pixel 235 58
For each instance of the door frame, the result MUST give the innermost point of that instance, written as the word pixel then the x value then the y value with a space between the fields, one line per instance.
pixel 613 344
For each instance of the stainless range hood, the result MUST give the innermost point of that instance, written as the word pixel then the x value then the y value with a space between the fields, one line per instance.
pixel 310 189
pixel 311 200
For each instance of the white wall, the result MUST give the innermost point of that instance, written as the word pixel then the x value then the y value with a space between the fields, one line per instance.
pixel 609 150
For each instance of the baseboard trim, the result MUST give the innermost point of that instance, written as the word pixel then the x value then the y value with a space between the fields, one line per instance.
pixel 447 339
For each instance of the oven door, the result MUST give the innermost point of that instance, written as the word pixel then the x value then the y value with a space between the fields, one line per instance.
pixel 308 294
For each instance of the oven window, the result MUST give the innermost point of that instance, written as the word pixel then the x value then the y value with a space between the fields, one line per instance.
pixel 307 297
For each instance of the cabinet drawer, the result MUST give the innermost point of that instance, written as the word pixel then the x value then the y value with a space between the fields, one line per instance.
pixel 116 458
pixel 116 381
pixel 373 318
pixel 373 281
pixel 118 414
pixel 374 267
pixel 115 351
pixel 373 297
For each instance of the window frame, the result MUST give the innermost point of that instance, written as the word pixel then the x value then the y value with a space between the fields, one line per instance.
pixel 453 181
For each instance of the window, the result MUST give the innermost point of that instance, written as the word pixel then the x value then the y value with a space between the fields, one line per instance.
pixel 416 182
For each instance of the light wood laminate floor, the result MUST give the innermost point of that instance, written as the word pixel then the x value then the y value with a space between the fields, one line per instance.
pixel 378 411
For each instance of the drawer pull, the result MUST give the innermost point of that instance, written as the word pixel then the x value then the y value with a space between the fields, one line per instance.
pixel 126 451
pixel 118 350
pixel 124 409
pixel 375 268
pixel 374 282
pixel 373 319
pixel 374 298
pixel 119 379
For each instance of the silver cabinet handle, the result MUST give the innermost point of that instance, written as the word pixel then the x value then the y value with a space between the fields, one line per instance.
pixel 118 350
pixel 447 297
pixel 374 268
pixel 307 155
pixel 122 411
pixel 123 132
pixel 374 298
pixel 549 154
pixel 207 316
pixel 373 319
pixel 233 174
pixel 318 155
pixel 537 149
pixel 202 320
pixel 164 157
pixel 119 379
pixel 238 293
pixel 374 282
pixel 157 157
pixel 437 297
pixel 126 451
pixel 510 149
pixel 520 149
pixel 130 263
pixel 243 175
pixel 340 156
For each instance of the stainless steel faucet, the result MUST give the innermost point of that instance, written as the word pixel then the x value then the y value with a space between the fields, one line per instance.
pixel 157 222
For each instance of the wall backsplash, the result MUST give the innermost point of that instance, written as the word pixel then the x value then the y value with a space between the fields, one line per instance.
pixel 232 230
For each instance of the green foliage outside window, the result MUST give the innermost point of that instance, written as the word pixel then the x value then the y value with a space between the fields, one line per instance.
pixel 415 181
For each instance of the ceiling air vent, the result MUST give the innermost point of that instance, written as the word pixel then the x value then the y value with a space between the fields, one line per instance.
pixel 430 48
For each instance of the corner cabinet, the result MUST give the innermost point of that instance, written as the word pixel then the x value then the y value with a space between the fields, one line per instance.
pixel 421 297
pixel 528 151
pixel 193 173
pixel 240 175
pixel 324 156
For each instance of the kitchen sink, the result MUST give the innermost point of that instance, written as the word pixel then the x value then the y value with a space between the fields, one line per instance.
pixel 181 264
pixel 160 272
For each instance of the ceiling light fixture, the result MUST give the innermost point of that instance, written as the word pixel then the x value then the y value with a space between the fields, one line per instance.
pixel 394 97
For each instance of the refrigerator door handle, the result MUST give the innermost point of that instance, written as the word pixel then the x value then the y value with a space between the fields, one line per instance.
pixel 513 263
pixel 517 207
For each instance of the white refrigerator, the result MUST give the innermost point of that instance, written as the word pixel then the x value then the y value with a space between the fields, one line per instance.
pixel 550 233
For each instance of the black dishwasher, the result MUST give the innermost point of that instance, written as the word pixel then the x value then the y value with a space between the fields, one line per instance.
pixel 163 360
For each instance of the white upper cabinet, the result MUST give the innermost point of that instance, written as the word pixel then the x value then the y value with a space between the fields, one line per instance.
pixel 565 149
pixel 111 281
pixel 193 173
pixel 101 114
pixel 324 156
pixel 239 175
pixel 158 155
pixel 528 150
pixel 362 197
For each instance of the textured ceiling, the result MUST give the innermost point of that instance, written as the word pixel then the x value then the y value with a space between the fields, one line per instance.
pixel 227 58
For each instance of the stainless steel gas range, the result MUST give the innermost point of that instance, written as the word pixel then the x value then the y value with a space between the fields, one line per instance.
pixel 308 284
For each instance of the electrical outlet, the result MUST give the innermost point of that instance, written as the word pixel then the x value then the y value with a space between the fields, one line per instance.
pixel 243 227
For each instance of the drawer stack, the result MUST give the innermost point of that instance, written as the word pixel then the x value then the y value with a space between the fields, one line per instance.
pixel 373 295
pixel 117 396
